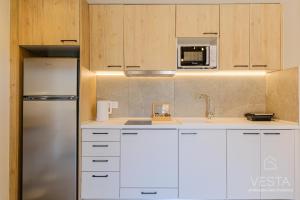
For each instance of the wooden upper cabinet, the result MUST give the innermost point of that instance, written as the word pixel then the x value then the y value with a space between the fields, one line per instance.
pixel 49 22
pixel 265 36
pixel 149 37
pixel 234 36
pixel 106 36
pixel 197 20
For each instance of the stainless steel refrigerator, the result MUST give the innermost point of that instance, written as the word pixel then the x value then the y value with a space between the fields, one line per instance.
pixel 49 137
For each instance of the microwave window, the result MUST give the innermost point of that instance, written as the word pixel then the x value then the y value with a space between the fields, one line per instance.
pixel 193 55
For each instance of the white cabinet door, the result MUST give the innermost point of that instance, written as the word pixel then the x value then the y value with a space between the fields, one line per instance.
pixel 243 164
pixel 202 164
pixel 277 164
pixel 100 185
pixel 149 158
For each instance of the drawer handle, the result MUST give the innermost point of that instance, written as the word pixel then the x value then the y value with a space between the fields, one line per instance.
pixel 148 193
pixel 114 66
pixel 210 33
pixel 272 133
pixel 259 65
pixel 68 40
pixel 100 176
pixel 251 133
pixel 132 66
pixel 100 160
pixel 129 133
pixel 236 66
pixel 189 133
pixel 100 133
pixel 100 145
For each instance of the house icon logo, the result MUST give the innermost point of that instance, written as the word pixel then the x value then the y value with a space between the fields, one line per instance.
pixel 270 163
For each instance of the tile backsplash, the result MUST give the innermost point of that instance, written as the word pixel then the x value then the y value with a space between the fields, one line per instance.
pixel 230 96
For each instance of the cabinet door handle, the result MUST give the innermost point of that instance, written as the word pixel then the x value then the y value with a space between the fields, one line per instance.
pixel 129 133
pixel 100 176
pixel 271 133
pixel 189 133
pixel 210 33
pixel 114 66
pixel 100 145
pixel 68 40
pixel 248 133
pixel 148 193
pixel 132 66
pixel 237 66
pixel 259 65
pixel 100 133
pixel 100 160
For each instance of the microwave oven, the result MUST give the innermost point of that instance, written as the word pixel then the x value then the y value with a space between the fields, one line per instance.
pixel 197 56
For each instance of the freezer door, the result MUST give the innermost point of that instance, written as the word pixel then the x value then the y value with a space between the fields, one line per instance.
pixel 50 76
pixel 49 150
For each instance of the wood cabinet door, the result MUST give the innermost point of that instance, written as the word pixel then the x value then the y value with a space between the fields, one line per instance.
pixel 243 164
pixel 106 36
pixel 49 22
pixel 197 20
pixel 149 37
pixel 149 159
pixel 202 164
pixel 234 36
pixel 265 36
pixel 277 164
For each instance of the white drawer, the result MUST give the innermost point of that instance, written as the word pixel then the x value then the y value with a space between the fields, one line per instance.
pixel 101 164
pixel 100 185
pixel 100 135
pixel 148 193
pixel 101 149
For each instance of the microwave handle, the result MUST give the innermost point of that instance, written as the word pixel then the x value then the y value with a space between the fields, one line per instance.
pixel 207 55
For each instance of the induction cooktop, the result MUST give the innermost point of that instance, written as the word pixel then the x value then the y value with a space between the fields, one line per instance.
pixel 138 122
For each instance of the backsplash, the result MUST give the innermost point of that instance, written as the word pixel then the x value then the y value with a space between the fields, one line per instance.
pixel 282 94
pixel 230 96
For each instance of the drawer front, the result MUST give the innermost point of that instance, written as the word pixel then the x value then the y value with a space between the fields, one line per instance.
pixel 101 164
pixel 148 193
pixel 100 135
pixel 100 185
pixel 101 149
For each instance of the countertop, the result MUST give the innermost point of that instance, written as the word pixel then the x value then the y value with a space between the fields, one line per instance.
pixel 193 123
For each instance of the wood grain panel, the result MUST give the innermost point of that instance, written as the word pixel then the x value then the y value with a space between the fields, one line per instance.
pixel 265 36
pixel 149 34
pixel 48 22
pixel 197 20
pixel 106 26
pixel 234 37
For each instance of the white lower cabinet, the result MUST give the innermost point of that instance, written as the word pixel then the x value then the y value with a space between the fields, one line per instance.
pixel 260 164
pixel 148 193
pixel 202 164
pixel 187 164
pixel 277 164
pixel 243 164
pixel 149 158
pixel 100 185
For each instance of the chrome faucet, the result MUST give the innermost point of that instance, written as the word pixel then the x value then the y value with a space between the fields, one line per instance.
pixel 208 113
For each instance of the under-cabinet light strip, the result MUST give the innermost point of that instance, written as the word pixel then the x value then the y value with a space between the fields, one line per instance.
pixel 195 73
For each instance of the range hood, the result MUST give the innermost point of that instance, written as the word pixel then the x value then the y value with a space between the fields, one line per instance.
pixel 149 73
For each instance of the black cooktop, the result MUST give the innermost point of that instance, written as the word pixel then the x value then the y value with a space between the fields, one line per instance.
pixel 138 122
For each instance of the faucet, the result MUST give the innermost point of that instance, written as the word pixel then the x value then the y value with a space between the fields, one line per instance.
pixel 209 114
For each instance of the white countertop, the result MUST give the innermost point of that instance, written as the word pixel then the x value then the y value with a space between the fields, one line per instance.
pixel 194 123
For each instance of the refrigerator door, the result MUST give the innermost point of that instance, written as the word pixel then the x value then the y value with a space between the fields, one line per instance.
pixel 50 76
pixel 49 150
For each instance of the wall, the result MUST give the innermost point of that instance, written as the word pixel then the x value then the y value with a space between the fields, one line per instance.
pixel 282 94
pixel 231 96
pixel 291 32
pixel 4 98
